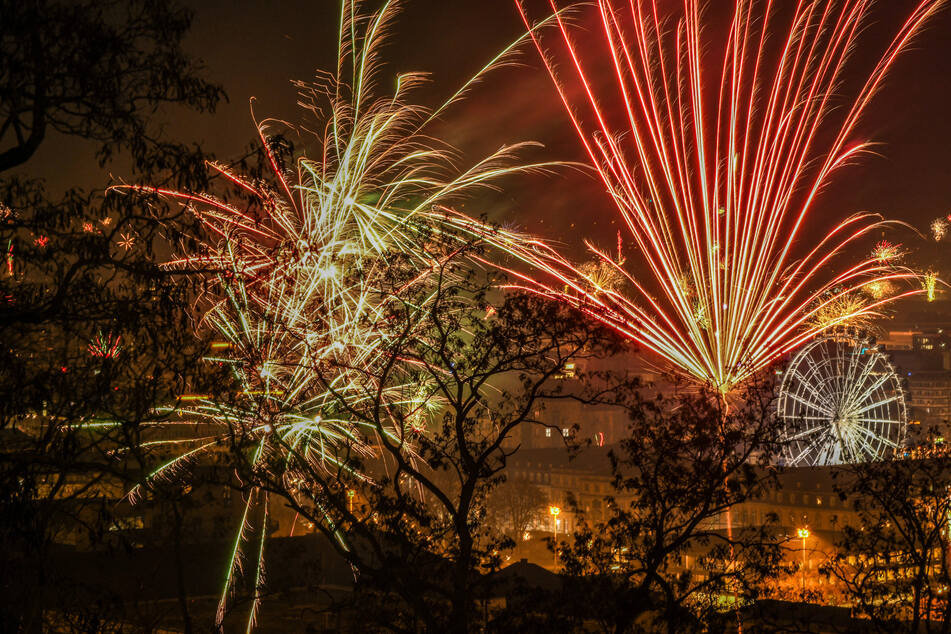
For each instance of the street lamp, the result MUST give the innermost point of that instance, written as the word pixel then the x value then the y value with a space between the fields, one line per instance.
pixel 803 534
pixel 350 494
pixel 554 511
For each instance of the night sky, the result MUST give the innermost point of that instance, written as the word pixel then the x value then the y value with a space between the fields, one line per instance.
pixel 257 48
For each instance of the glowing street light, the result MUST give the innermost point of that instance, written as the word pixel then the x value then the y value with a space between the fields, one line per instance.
pixel 803 534
pixel 554 511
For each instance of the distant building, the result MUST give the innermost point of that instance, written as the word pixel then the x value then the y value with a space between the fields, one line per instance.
pixel 565 418
pixel 805 503
pixel 925 367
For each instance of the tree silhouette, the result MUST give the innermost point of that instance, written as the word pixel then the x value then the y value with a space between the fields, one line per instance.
pixel 412 520
pixel 98 71
pixel 668 550
pixel 893 562
pixel 516 504
pixel 95 333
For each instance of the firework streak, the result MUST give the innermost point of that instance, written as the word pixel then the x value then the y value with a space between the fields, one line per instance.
pixel 713 151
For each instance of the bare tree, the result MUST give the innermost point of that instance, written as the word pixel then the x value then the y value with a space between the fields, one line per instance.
pixel 95 333
pixel 516 504
pixel 667 549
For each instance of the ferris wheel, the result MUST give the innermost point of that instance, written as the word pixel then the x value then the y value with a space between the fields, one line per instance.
pixel 840 401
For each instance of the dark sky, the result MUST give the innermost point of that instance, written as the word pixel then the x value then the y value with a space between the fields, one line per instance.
pixel 254 48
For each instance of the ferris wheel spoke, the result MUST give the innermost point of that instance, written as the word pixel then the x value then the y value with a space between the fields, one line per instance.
pixel 808 432
pixel 870 406
pixel 805 379
pixel 825 389
pixel 805 451
pixel 872 452
pixel 876 437
pixel 844 449
pixel 831 445
pixel 808 403
pixel 879 382
pixel 856 442
pixel 887 421
pixel 857 370
pixel 824 419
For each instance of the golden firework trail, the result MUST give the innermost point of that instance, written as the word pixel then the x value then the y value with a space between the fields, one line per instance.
pixel 939 228
pixel 300 292
pixel 929 284
pixel 714 149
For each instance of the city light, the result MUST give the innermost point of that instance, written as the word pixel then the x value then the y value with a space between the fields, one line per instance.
pixel 554 511
pixel 803 534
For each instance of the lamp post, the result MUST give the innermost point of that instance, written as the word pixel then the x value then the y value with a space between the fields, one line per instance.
pixel 350 494
pixel 554 511
pixel 803 534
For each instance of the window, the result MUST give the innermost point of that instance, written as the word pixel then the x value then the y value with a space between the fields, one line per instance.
pixel 548 432
pixel 565 431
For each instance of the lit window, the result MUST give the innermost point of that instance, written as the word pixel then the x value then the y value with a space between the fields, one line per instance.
pixel 548 432
pixel 565 431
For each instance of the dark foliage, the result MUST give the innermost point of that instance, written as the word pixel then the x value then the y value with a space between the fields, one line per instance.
pixel 893 562
pixel 99 71
pixel 667 558
pixel 95 333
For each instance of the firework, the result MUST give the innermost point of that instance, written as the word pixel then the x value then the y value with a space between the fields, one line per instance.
pixel 843 310
pixel 929 282
pixel 939 228
pixel 126 240
pixel 301 291
pixel 105 346
pixel 602 276
pixel 714 151
pixel 880 289
pixel 885 252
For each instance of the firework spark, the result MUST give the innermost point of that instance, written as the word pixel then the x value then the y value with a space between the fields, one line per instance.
pixel 887 253
pixel 602 276
pixel 880 289
pixel 126 241
pixel 929 282
pixel 714 151
pixel 843 311
pixel 939 228
pixel 105 346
